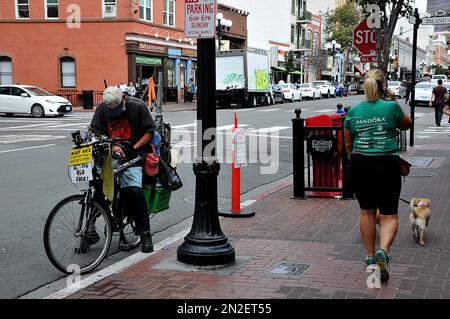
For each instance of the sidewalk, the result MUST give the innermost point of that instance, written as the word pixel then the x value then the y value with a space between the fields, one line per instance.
pixel 168 107
pixel 322 234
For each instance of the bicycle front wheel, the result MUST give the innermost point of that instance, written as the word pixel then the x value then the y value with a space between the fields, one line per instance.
pixel 74 239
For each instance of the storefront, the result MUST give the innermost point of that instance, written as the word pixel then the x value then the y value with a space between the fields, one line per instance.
pixel 147 57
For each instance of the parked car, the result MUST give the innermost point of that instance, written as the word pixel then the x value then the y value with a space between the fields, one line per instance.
pixel 309 91
pixel 32 100
pixel 398 88
pixel 341 90
pixel 276 94
pixel 290 92
pixel 423 92
pixel 425 79
pixel 325 88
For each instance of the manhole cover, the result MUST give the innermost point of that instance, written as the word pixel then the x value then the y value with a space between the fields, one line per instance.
pixel 289 269
pixel 420 161
pixel 422 173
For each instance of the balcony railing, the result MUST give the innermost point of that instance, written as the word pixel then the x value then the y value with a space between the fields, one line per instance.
pixel 304 16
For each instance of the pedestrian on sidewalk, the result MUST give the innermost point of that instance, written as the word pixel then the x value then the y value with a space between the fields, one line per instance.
pixel 437 100
pixel 409 86
pixel 131 89
pixel 370 139
pixel 190 91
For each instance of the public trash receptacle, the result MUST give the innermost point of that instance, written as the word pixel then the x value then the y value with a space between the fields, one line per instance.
pixel 88 99
pixel 325 146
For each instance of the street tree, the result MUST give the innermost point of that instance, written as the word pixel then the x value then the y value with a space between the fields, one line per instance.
pixel 339 26
pixel 391 11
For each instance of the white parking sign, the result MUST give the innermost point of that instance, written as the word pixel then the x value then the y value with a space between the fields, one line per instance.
pixel 200 18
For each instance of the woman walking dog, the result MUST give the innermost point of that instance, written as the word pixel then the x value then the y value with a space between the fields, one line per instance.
pixel 370 139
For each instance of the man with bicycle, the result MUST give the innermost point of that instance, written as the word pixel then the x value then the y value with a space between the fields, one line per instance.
pixel 128 120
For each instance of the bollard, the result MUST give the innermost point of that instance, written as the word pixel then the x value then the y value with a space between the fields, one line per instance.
pixel 347 192
pixel 236 210
pixel 298 140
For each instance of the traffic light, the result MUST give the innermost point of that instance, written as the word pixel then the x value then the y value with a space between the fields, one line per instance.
pixel 395 52
pixel 396 63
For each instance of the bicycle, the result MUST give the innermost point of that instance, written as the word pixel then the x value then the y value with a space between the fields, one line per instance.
pixel 83 236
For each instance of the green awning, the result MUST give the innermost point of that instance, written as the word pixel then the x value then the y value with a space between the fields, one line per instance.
pixel 296 72
pixel 278 69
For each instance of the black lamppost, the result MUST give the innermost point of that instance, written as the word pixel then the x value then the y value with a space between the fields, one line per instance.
pixel 222 25
pixel 206 244
pixel 334 47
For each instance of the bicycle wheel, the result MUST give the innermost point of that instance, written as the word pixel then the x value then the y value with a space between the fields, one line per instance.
pixel 70 238
pixel 127 233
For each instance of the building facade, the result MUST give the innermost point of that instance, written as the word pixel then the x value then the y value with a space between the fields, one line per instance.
pixel 83 44
pixel 433 6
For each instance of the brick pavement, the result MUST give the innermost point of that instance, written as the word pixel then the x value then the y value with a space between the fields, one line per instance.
pixel 323 233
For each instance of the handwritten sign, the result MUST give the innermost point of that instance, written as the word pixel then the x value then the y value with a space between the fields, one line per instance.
pixel 240 149
pixel 80 156
pixel 80 175
pixel 200 18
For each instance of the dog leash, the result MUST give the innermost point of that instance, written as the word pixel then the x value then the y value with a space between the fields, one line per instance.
pixel 405 201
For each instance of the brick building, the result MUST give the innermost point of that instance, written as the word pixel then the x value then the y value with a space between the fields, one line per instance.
pixel 77 44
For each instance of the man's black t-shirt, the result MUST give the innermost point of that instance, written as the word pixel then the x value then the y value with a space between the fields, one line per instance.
pixel 439 94
pixel 130 125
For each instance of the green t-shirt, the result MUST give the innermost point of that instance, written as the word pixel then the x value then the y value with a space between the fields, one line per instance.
pixel 373 126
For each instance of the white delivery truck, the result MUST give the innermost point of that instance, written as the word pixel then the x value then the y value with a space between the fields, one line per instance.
pixel 242 78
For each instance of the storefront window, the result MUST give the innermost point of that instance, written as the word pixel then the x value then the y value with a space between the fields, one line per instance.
pixel 171 73
pixel 169 12
pixel 145 10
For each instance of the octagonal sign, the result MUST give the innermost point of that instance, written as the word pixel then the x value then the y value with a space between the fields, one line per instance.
pixel 365 39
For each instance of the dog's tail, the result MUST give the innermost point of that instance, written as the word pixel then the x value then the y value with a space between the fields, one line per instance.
pixel 412 205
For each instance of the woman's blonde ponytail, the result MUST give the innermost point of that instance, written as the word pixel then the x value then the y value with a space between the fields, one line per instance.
pixel 373 85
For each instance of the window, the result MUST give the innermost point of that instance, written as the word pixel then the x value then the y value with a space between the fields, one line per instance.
pixel 293 7
pixel 292 33
pixel 109 8
pixel 17 91
pixel 4 90
pixel 6 75
pixel 145 10
pixel 169 12
pixel 51 9
pixel 22 9
pixel 68 75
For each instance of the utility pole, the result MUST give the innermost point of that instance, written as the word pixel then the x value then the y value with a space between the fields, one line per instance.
pixel 414 19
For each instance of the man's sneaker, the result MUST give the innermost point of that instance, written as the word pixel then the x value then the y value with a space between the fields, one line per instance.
pixel 369 262
pixel 383 262
pixel 146 242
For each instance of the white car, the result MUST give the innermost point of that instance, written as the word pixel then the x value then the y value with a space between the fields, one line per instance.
pixel 325 88
pixel 309 91
pixel 290 92
pixel 437 77
pixel 32 100
pixel 398 88
pixel 423 92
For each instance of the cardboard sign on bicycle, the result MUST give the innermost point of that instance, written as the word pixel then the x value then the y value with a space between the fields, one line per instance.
pixel 80 156
pixel 80 175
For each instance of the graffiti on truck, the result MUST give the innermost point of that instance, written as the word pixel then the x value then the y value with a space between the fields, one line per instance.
pixel 262 81
pixel 234 79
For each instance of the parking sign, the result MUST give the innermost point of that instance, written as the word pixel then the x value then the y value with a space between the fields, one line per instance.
pixel 200 18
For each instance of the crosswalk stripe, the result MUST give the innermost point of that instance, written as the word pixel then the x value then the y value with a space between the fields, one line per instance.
pixel 325 111
pixel 269 129
pixel 64 125
pixel 184 126
pixel 268 110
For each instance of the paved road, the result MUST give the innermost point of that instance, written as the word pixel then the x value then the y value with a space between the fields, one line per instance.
pixel 34 155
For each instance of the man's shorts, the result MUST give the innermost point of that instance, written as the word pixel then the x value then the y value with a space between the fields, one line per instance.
pixel 376 181
pixel 130 177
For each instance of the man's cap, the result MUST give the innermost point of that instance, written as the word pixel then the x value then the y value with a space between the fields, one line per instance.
pixel 112 98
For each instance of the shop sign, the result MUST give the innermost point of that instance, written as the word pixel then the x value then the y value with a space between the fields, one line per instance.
pixel 321 144
pixel 189 53
pixel 173 51
pixel 140 59
pixel 151 47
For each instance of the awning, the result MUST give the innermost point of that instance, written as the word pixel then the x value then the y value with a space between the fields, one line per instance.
pixel 360 69
pixel 296 72
pixel 278 69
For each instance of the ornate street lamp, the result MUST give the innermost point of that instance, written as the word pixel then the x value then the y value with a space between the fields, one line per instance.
pixel 222 26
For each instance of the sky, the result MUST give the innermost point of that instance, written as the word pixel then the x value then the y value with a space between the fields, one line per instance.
pixel 315 5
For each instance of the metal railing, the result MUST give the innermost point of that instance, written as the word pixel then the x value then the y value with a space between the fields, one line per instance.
pixel 76 97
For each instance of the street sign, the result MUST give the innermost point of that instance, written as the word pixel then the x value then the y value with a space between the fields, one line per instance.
pixel 200 18
pixel 365 39
pixel 436 20
pixel 369 59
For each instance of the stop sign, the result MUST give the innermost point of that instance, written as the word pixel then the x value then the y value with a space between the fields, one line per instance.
pixel 365 39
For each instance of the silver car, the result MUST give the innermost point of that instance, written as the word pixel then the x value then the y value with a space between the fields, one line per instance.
pixel 398 88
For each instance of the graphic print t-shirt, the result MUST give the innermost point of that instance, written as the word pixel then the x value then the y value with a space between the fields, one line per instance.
pixel 119 128
pixel 374 127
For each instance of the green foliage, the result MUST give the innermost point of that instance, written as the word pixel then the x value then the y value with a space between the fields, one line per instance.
pixel 440 69
pixel 289 59
pixel 341 22
pixel 404 12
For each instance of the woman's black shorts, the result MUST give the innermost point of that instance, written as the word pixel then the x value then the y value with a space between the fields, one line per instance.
pixel 376 181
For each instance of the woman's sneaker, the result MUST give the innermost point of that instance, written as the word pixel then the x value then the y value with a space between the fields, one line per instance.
pixel 369 262
pixel 382 259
